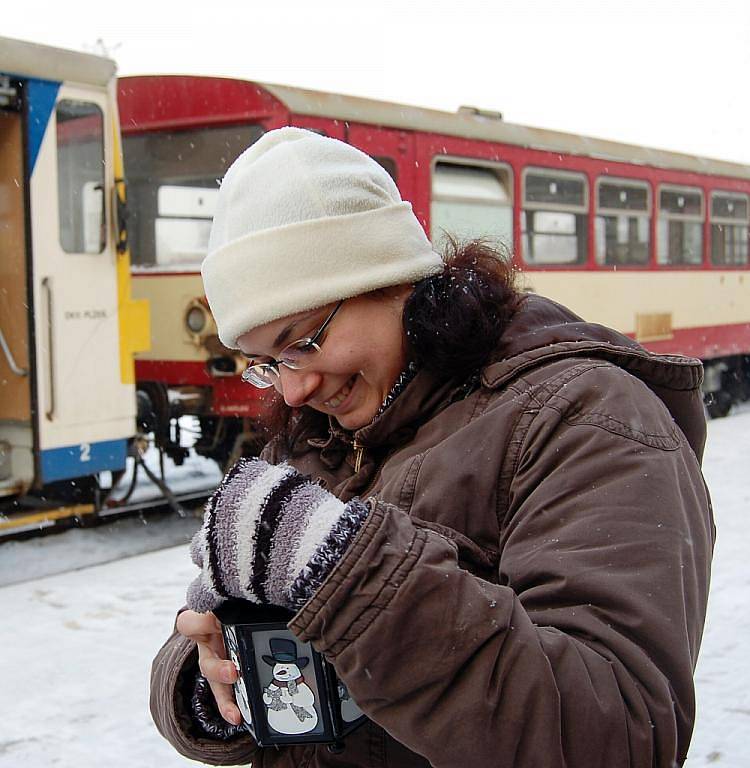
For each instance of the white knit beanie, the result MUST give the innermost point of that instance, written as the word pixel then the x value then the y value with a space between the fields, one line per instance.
pixel 301 221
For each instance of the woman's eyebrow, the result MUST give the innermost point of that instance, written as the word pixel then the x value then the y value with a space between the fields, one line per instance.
pixel 285 333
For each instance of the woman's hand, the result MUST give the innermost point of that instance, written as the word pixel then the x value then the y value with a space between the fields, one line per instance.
pixel 205 630
pixel 270 536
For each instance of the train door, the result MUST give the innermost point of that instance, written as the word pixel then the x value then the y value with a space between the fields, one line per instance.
pixel 16 437
pixel 85 409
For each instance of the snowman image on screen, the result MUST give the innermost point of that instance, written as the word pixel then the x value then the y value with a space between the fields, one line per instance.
pixel 289 700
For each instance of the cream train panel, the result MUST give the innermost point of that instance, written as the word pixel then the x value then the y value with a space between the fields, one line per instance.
pixel 697 299
pixel 170 295
pixel 691 299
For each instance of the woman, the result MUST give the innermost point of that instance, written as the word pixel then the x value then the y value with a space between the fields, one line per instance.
pixel 506 553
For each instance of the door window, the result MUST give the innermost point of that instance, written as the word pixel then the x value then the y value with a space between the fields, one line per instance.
pixel 80 176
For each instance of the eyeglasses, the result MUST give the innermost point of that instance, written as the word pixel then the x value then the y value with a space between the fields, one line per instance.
pixel 297 355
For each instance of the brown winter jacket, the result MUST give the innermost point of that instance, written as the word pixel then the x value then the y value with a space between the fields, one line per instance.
pixel 530 588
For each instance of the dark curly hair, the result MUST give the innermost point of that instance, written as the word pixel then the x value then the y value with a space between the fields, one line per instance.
pixel 453 322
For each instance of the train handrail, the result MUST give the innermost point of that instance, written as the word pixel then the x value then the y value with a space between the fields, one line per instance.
pixel 9 357
pixel 50 413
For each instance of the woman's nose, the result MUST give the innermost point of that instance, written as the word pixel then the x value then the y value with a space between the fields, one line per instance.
pixel 297 387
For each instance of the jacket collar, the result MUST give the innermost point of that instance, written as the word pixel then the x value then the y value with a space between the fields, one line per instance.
pixel 423 397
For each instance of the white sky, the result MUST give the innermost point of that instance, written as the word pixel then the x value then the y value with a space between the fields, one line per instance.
pixel 660 73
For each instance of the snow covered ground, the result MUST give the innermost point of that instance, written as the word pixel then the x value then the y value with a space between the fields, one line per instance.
pixel 76 646
pixel 723 672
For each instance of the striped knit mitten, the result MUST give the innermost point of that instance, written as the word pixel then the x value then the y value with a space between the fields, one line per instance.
pixel 269 535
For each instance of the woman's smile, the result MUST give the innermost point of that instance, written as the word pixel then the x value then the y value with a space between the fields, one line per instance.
pixel 341 397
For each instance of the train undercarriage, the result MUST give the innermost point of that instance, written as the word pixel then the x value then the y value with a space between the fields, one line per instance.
pixel 222 438
pixel 726 383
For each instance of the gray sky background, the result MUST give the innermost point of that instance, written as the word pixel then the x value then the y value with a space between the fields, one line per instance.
pixel 665 74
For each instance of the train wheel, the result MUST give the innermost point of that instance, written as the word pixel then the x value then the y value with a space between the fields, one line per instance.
pixel 718 404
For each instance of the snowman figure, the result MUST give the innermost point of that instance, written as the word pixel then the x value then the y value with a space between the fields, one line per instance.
pixel 289 700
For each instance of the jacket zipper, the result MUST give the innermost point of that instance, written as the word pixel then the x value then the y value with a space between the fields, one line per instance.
pixel 359 451
pixel 363 493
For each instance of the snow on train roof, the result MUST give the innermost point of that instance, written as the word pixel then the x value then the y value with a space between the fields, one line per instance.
pixel 477 126
pixel 24 59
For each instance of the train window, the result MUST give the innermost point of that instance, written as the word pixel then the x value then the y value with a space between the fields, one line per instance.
pixel 80 176
pixel 622 222
pixel 389 164
pixel 183 222
pixel 173 178
pixel 680 228
pixel 729 229
pixel 554 219
pixel 471 201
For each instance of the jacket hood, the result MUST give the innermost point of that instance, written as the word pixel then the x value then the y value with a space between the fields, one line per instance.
pixel 542 331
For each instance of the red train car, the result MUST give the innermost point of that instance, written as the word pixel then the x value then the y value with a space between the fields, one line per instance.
pixel 653 243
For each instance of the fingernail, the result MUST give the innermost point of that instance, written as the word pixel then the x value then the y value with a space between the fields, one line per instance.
pixel 233 718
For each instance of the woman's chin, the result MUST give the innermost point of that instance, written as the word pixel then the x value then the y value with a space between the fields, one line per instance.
pixel 358 409
pixel 356 418
pixel 352 421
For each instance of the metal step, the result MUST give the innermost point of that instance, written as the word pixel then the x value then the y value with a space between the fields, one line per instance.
pixel 35 522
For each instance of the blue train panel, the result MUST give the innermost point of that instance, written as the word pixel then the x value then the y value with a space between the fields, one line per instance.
pixel 41 96
pixel 84 459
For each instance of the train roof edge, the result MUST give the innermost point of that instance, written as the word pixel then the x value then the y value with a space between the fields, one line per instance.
pixel 464 124
pixel 477 126
pixel 26 59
